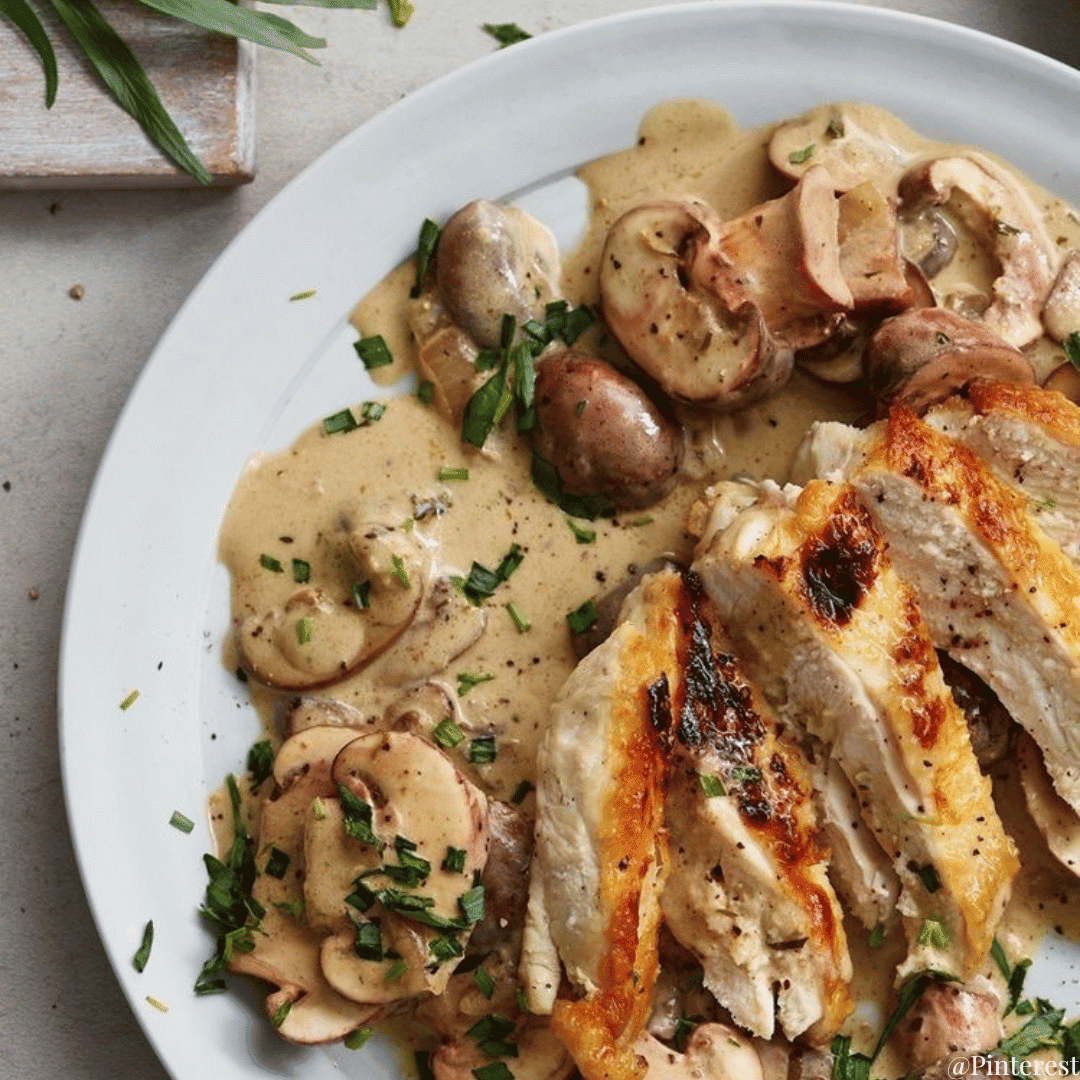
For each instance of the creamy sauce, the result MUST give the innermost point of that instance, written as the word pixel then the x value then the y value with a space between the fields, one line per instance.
pixel 301 504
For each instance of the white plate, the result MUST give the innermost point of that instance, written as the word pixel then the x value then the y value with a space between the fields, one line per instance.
pixel 241 368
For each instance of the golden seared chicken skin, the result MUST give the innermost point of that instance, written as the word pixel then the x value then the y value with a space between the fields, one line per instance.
pixel 827 625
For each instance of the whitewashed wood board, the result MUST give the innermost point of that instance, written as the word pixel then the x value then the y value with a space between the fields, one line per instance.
pixel 206 81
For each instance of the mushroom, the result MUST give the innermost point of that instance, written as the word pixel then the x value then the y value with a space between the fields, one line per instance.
pixel 313 638
pixel 311 712
pixel 672 322
pixel 380 882
pixel 949 1019
pixel 930 240
pixel 445 357
pixel 539 1055
pixel 1061 312
pixel 842 142
pixel 494 260
pixel 870 259
pixel 714 1050
pixel 285 949
pixel 989 724
pixel 602 433
pixel 997 210
pixel 922 356
pixel 1065 379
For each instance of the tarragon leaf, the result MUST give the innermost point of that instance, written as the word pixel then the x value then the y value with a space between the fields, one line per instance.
pixel 25 18
pixel 120 71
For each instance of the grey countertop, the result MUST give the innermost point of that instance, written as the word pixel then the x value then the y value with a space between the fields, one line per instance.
pixel 66 367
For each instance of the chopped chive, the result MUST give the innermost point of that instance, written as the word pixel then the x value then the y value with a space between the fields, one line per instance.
pixel 876 936
pixel 157 1004
pixel 497 1070
pixel 181 822
pixel 373 352
pixel 279 1016
pixel 268 562
pixel 340 423
pixel 645 519
pixel 425 249
pixel 711 786
pixel 372 411
pixel 466 680
pixel 998 953
pixel 482 750
pixel 401 11
pixel 355 1039
pixel 454 472
pixel 1072 348
pixel 129 700
pixel 581 535
pixel 400 572
pixel 368 943
pixel 508 33
pixel 471 903
pixel 395 972
pixel 142 954
pixel 293 908
pixel 484 982
pixel 581 618
pixel 358 818
pixel 454 861
pixel 318 808
pixel 425 391
pixel 277 863
pixel 260 761
pixel 518 617
pixel 301 571
pixel 933 932
pixel 801 157
pixel 522 1000
pixel 446 947
pixel 521 792
pixel 447 734
pixel 304 627
pixel 361 594
pixel 929 878
pixel 305 295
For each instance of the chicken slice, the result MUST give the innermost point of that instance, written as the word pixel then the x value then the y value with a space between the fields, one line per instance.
pixel 748 892
pixel 600 856
pixel 828 627
pixel 1056 819
pixel 1030 437
pixel 998 595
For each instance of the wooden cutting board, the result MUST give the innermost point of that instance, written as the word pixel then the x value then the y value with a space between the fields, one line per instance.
pixel 86 140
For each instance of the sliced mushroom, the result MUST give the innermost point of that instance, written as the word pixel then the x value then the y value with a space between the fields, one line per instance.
pixel 922 356
pixel 419 806
pixel 998 210
pixel 315 712
pixel 949 1019
pixel 930 240
pixel 445 357
pixel 783 256
pixel 1065 379
pixel 314 638
pixel 843 142
pixel 285 949
pixel 539 1056
pixel 870 258
pixel 672 322
pixel 494 260
pixel 1061 313
pixel 602 433
pixel 989 724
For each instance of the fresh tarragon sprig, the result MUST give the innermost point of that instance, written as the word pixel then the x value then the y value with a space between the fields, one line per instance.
pixel 122 74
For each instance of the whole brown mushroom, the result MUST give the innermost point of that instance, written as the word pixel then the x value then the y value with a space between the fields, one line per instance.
pixel 602 432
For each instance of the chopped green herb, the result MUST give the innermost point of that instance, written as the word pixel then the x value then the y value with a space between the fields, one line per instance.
pixel 304 626
pixel 425 391
pixel 400 572
pixel 447 734
pixel 454 861
pixel 318 808
pixel 547 480
pixel 1043 1029
pixel 301 571
pixel 471 903
pixel 743 774
pixel 497 1070
pixel 518 617
pixel 372 411
pixel 801 157
pixel 930 878
pixel 157 1004
pixel 645 519
pixel 998 953
pixel 711 786
pixel 307 294
pixel 484 982
pixel 425 249
pixel 942 338
pixel 877 936
pixel 466 680
pixel 481 749
pixel 368 943
pixel 454 472
pixel 506 33
pixel 277 863
pixel 1003 228
pixel 181 822
pixel 492 1026
pixel 293 908
pixel 340 423
pixel 684 1028
pixel 1071 346
pixel 835 130
pixel 522 1001
pixel 361 594
pixel 355 1039
pixel 583 617
pixel 358 818
pixel 1016 985
pixel 401 11
pixel 581 535
pixel 129 701
pixel 395 971
pixel 933 932
pixel 846 1065
pixel 279 1016
pixel 521 792
pixel 373 352
pixel 446 947
pixel 260 761
pixel 142 954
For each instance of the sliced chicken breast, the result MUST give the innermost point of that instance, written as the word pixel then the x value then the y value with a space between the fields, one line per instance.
pixel 1030 437
pixel 998 595
pixel 828 627
pixel 748 892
